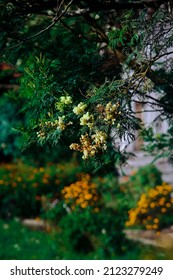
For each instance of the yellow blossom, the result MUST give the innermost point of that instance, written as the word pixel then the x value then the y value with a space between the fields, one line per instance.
pixel 87 119
pixel 79 109
pixel 99 137
pixel 61 123
pixel 66 99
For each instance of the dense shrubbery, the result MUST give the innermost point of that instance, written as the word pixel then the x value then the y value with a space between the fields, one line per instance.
pixel 89 216
pixel 88 213
pixel 82 193
pixel 140 181
pixel 81 207
pixel 154 209
pixel 151 203
pixel 22 186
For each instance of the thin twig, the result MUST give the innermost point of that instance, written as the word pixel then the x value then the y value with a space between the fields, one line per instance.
pixel 164 54
pixel 151 111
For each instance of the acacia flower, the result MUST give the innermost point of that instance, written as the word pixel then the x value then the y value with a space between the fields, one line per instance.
pixel 66 99
pixel 79 109
pixel 111 111
pixel 90 145
pixel 87 119
pixel 61 123
pixel 99 137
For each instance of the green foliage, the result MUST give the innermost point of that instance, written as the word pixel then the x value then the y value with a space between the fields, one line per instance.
pixel 126 34
pixel 85 58
pixel 147 175
pixel 10 140
pixel 52 115
pixel 98 233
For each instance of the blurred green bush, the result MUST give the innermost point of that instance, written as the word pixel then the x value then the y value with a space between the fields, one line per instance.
pixel 90 216
pixel 22 186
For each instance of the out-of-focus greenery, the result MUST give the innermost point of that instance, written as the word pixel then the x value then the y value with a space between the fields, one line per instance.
pixel 85 214
pixel 100 206
pixel 20 243
pixel 92 204
pixel 10 140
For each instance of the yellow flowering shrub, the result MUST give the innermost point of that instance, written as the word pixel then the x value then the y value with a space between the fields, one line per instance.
pixel 82 193
pixel 154 209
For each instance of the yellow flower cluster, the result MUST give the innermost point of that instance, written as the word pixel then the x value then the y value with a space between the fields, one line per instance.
pixel 89 146
pixel 111 111
pixel 79 109
pixel 93 141
pixel 57 124
pixel 87 119
pixel 152 208
pixel 64 101
pixel 82 193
